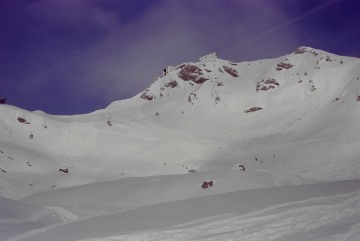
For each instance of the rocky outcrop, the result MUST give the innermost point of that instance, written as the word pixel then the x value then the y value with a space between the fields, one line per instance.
pixel 253 109
pixel 231 71
pixel 302 50
pixel 283 65
pixel 192 98
pixel 192 73
pixel 172 84
pixel 147 96
pixel 23 120
pixel 328 59
pixel 207 184
pixel 266 84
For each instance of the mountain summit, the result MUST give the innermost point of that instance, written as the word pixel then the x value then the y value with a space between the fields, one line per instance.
pixel 300 85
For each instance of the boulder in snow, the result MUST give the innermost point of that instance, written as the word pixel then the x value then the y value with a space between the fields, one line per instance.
pixel 253 109
pixel 207 184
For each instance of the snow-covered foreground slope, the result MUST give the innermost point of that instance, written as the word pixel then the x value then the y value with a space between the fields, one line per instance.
pixel 312 212
pixel 17 218
pixel 287 121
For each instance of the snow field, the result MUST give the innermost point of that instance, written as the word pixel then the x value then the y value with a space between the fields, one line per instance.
pixel 312 211
pixel 130 180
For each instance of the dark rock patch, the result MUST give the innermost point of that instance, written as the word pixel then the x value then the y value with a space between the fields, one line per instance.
pixel 267 84
pixel 231 71
pixel 253 109
pixel 192 73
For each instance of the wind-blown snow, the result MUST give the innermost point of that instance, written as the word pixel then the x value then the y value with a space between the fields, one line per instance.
pixel 135 169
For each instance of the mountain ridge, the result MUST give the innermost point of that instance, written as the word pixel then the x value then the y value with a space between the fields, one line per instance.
pixel 288 117
pixel 213 72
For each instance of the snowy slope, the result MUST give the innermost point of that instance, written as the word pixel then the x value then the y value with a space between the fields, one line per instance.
pixel 289 121
pixel 17 218
pixel 310 212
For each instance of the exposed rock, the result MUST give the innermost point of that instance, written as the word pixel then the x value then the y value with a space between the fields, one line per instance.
pixel 336 99
pixel 217 99
pixel 172 84
pixel 200 80
pixel 146 96
pixel 192 73
pixel 21 119
pixel 302 50
pixel 64 170
pixel 231 71
pixel 283 65
pixel 267 84
pixel 253 109
pixel 192 97
pixel 207 184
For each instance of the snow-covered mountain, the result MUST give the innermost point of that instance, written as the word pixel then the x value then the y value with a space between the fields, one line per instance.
pixel 287 121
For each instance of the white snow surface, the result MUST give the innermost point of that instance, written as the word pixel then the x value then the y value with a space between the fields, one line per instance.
pixel 139 177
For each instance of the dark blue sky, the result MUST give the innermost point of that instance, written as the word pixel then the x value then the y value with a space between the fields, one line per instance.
pixel 76 56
